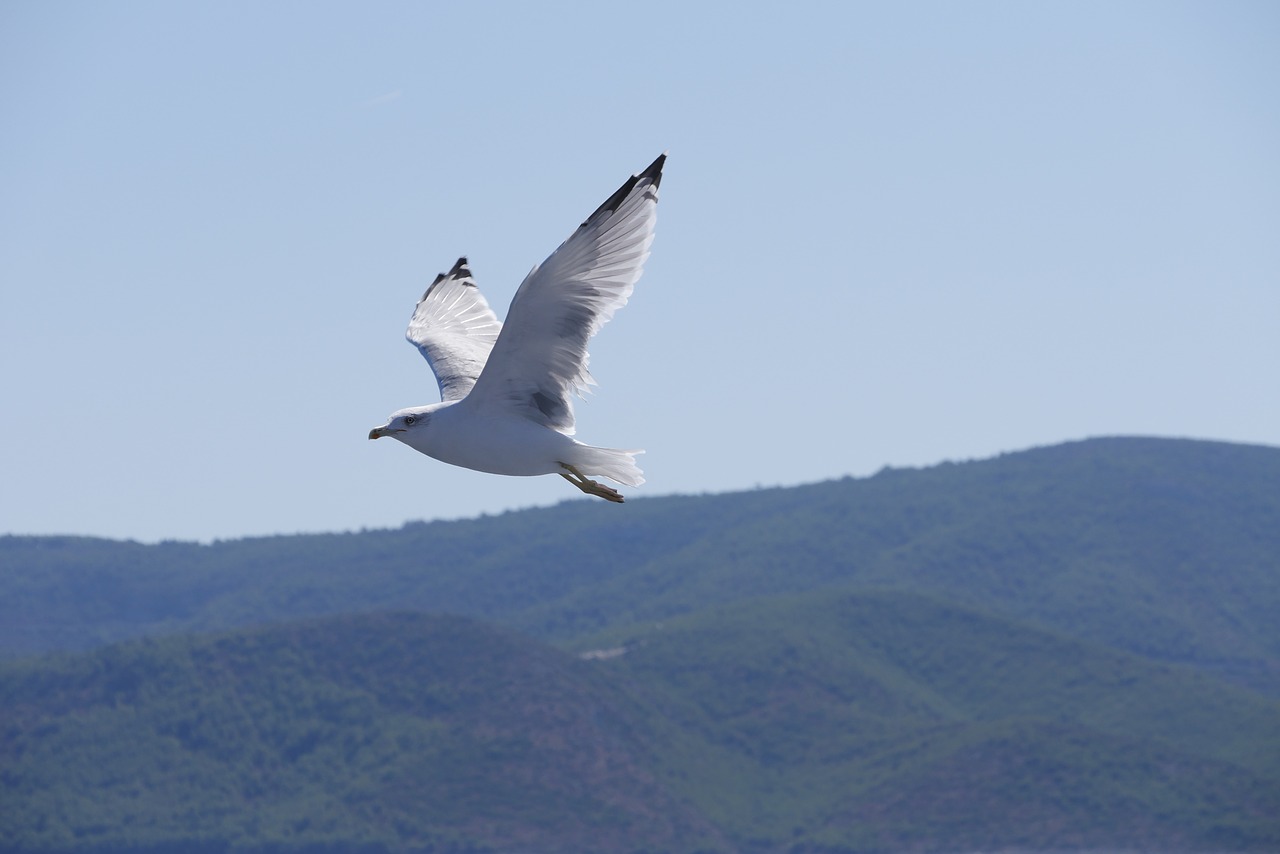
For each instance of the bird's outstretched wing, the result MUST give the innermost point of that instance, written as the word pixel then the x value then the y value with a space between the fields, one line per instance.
pixel 454 328
pixel 540 359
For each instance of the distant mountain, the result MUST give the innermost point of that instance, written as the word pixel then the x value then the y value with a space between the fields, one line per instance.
pixel 385 732
pixel 815 722
pixel 1067 648
pixel 892 722
pixel 1168 548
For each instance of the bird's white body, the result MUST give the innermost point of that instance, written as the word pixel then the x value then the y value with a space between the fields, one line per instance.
pixel 510 445
pixel 507 389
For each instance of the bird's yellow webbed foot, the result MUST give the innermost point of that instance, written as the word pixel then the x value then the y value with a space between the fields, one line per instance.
pixel 589 486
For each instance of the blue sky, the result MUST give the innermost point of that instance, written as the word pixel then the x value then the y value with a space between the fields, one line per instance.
pixel 890 234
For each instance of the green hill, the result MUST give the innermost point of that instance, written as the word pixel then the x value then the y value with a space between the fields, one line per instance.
pixel 869 721
pixel 1071 647
pixel 1170 548
pixel 389 731
pixel 887 721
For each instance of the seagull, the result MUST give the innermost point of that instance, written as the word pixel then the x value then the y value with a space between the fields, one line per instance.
pixel 506 390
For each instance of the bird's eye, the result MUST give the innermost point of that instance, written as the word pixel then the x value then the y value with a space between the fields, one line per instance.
pixel 409 419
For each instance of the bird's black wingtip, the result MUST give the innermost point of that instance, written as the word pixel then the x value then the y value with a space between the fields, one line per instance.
pixel 654 171
pixel 652 174
pixel 459 270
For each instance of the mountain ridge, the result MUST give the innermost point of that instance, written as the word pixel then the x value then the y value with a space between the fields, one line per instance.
pixel 762 726
pixel 1066 648
pixel 295 733
pixel 1160 546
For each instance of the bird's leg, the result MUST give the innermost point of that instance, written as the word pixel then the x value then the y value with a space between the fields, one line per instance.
pixel 589 486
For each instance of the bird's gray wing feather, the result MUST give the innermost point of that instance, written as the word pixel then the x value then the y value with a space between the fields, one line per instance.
pixel 454 328
pixel 540 359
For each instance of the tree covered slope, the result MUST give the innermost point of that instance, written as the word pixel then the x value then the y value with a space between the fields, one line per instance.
pixel 869 721
pixel 1170 548
pixel 1071 647
pixel 395 730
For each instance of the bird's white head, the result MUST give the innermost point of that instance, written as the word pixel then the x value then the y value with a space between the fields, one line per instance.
pixel 405 424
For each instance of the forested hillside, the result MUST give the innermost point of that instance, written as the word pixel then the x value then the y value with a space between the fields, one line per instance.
pixel 851 723
pixel 1073 647
pixel 396 730
pixel 1169 548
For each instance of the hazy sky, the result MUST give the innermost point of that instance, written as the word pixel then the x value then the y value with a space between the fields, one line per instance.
pixel 890 234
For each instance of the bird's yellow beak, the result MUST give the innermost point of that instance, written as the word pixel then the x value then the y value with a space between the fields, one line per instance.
pixel 377 432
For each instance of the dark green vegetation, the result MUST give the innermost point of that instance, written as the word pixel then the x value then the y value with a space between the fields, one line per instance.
pixel 1072 647
pixel 395 729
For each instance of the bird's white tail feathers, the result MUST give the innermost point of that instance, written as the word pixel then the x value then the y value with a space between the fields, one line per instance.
pixel 609 462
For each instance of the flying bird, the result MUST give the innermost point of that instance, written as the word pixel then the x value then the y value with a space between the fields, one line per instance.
pixel 506 390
